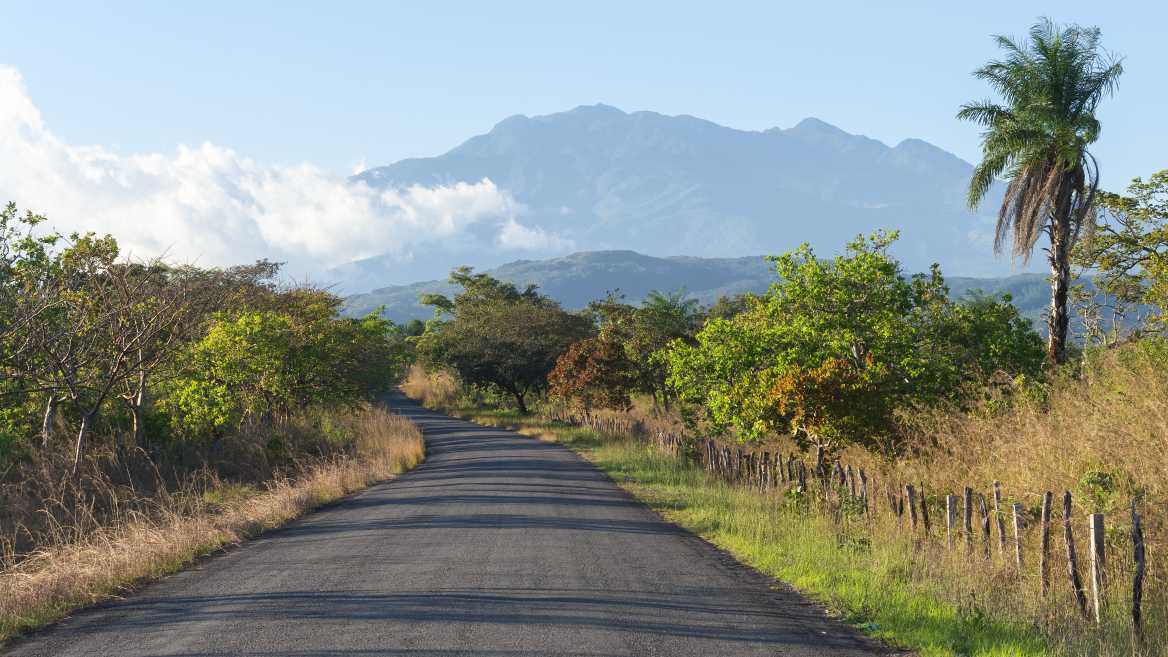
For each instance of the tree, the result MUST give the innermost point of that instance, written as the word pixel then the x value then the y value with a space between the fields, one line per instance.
pixel 498 335
pixel 593 373
pixel 644 331
pixel 1052 85
pixel 727 307
pixel 1129 247
pixel 837 349
pixel 260 366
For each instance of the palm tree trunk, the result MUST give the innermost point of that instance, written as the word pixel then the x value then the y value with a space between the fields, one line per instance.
pixel 1060 280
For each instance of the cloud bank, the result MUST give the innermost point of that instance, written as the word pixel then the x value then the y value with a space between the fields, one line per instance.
pixel 209 205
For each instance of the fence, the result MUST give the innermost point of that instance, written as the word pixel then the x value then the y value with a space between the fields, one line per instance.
pixel 839 485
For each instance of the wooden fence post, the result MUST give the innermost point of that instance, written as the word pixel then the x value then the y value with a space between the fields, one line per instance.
pixel 1044 545
pixel 1138 578
pixel 967 519
pixel 911 495
pixel 925 511
pixel 1072 560
pixel 1017 512
pixel 950 518
pixel 864 490
pixel 985 524
pixel 1001 519
pixel 1097 564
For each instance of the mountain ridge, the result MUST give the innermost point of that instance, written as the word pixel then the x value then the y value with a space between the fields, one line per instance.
pixel 580 277
pixel 598 178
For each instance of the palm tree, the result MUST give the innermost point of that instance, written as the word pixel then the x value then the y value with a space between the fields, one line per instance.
pixel 1051 84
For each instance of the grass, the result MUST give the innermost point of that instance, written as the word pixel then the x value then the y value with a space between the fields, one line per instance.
pixel 58 578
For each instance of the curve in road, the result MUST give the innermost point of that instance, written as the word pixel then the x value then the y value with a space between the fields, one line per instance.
pixel 498 545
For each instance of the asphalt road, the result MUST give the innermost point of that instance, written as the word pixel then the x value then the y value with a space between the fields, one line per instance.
pixel 498 545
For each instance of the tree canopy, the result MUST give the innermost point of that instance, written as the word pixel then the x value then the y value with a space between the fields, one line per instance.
pixel 837 348
pixel 491 333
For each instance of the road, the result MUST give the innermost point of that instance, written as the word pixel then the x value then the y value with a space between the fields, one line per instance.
pixel 498 545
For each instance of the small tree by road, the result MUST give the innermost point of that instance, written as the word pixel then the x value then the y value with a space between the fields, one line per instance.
pixel 492 333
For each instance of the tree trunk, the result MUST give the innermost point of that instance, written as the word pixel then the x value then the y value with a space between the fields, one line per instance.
pixel 1060 280
pixel 82 434
pixel 519 400
pixel 136 411
pixel 49 419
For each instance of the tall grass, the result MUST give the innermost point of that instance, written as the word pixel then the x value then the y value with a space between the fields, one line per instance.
pixel 77 566
pixel 433 389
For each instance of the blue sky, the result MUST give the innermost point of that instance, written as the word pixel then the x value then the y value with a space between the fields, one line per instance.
pixel 338 83
pixel 219 132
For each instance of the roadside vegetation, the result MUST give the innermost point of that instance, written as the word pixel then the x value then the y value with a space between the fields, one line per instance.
pixel 852 362
pixel 151 413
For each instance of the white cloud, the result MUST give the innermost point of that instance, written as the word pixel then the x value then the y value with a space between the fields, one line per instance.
pixel 210 205
pixel 517 236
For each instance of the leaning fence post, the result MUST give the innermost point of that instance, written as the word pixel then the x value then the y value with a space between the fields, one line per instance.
pixel 864 490
pixel 1138 578
pixel 1097 564
pixel 925 511
pixel 910 494
pixel 967 519
pixel 1072 561
pixel 1044 551
pixel 950 518
pixel 1017 511
pixel 1001 521
pixel 985 524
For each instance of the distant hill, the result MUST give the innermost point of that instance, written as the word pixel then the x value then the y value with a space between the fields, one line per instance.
pixel 597 178
pixel 576 279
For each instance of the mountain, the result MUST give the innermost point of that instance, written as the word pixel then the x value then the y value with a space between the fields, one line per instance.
pixel 576 279
pixel 597 178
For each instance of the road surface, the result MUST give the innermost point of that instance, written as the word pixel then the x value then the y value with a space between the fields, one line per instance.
pixel 498 545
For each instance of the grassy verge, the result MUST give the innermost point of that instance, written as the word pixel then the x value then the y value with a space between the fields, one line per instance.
pixel 58 579
pixel 868 575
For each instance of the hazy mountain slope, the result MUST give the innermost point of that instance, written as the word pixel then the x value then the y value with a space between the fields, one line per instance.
pixel 598 178
pixel 576 279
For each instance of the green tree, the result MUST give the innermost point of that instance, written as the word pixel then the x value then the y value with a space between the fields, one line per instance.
pixel 499 335
pixel 1129 247
pixel 1052 85
pixel 836 349
pixel 644 331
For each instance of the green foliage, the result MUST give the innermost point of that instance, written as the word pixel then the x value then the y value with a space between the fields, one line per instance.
pixel 262 365
pixel 498 335
pixel 644 332
pixel 838 348
pixel 1106 490
pixel 1129 248
pixel 88 336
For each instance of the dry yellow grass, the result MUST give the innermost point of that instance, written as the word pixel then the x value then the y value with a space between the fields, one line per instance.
pixel 56 579
pixel 433 390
